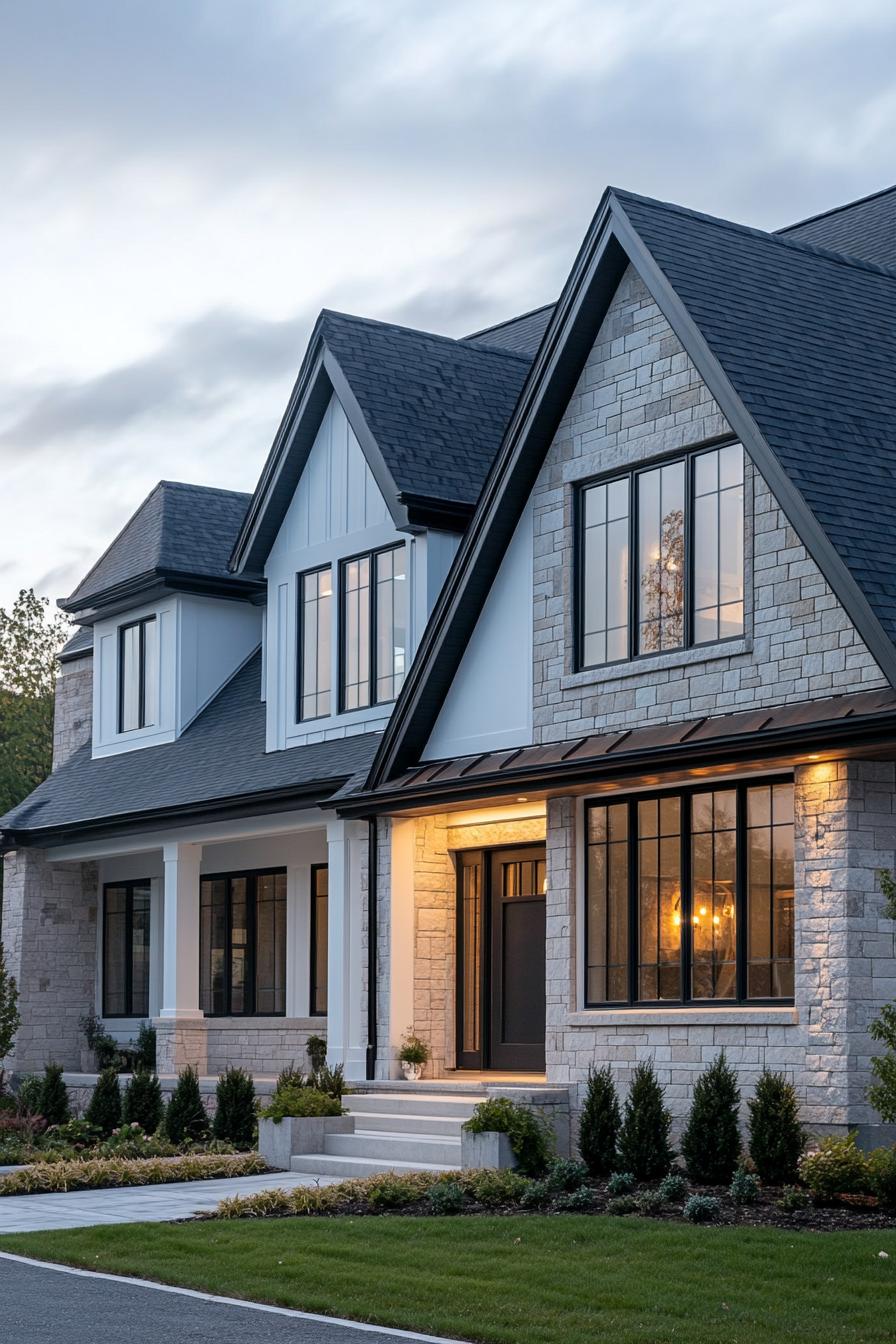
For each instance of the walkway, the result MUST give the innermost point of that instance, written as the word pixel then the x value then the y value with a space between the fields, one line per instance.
pixel 136 1204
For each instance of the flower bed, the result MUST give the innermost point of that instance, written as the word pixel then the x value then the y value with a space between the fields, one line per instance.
pixel 111 1173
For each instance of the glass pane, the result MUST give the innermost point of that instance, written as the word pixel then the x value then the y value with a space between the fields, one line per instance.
pixel 770 895
pixel 391 623
pixel 212 946
pixel 316 615
pixel 471 919
pixel 608 888
pixel 129 691
pixel 356 633
pixel 661 558
pixel 115 952
pixel 270 943
pixel 718 528
pixel 319 896
pixel 140 950
pixel 713 895
pixel 605 566
pixel 150 673
pixel 659 900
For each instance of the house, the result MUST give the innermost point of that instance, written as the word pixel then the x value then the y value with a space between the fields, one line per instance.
pixel 540 698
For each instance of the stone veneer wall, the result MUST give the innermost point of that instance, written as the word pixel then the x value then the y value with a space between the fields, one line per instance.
pixel 639 395
pixel 50 941
pixel 214 1044
pixel 845 966
pixel 73 714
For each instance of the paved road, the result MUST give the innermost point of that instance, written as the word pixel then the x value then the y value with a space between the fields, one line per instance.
pixel 46 1306
pixel 138 1204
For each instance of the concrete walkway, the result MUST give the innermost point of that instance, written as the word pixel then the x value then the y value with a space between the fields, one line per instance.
pixel 137 1204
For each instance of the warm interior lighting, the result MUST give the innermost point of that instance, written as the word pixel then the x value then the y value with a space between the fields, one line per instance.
pixel 522 798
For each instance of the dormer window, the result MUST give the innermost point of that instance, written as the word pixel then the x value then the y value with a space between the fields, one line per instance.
pixel 661 558
pixel 373 627
pixel 137 675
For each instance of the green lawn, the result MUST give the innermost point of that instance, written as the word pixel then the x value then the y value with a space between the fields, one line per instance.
pixel 559 1280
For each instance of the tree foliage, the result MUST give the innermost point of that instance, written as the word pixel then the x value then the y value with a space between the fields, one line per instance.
pixel 710 1144
pixel 600 1122
pixel 29 643
pixel 9 1012
pixel 644 1138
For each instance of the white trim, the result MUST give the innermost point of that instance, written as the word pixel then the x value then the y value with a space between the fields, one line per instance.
pixel 737 1015
pixel 230 1301
pixel 210 833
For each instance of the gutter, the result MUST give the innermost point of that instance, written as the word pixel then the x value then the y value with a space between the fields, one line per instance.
pixel 372 968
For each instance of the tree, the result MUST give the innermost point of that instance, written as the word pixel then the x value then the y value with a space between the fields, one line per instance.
pixel 599 1124
pixel 644 1138
pixel 710 1144
pixel 777 1138
pixel 104 1110
pixel 882 1092
pixel 185 1118
pixel 142 1103
pixel 54 1105
pixel 9 1013
pixel 235 1113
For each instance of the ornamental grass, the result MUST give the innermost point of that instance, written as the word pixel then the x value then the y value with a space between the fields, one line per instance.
pixel 108 1173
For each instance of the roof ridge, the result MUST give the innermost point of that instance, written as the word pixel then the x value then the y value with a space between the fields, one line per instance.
pixel 825 253
pixel 838 209
pixel 207 489
pixel 509 321
pixel 459 342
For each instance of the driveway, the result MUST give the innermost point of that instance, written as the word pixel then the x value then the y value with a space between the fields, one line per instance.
pixel 44 1304
pixel 137 1204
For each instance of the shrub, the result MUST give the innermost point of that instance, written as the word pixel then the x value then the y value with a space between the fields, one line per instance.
pixel 493 1188
pixel 10 1020
pixel 777 1138
pixel 882 1093
pixel 530 1138
pixel 130 1141
pixel 622 1205
pixel 710 1144
pixel 106 1173
pixel 104 1110
pixel 882 1165
pixel 413 1050
pixel 104 1046
pixel 792 1199
pixel 575 1201
pixel 145 1051
pixel 53 1100
pixel 75 1134
pixel 28 1094
pixel 565 1174
pixel 621 1183
pixel 673 1187
pixel 702 1209
pixel 644 1138
pixel 330 1081
pixel 316 1047
pixel 838 1167
pixel 599 1123
pixel 235 1114
pixel 142 1103
pixel 185 1117
pixel 300 1101
pixel 650 1202
pixel 744 1188
pixel 536 1195
pixel 445 1197
pixel 391 1192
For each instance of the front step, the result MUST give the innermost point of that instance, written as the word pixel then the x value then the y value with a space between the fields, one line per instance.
pixel 428 1126
pixel 395 1147
pixel 417 1103
pixel 322 1164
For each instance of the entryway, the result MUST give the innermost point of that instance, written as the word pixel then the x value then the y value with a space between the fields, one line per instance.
pixel 501 959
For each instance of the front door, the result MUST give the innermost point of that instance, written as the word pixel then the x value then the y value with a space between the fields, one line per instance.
pixel 501 959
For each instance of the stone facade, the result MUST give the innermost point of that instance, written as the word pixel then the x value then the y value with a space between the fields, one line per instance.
pixel 214 1044
pixel 639 395
pixel 50 941
pixel 73 719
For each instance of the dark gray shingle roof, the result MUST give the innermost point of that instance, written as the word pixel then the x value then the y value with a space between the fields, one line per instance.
pixel 220 756
pixel 436 407
pixel 808 340
pixel 186 529
pixel 865 228
pixel 521 334
pixel 80 643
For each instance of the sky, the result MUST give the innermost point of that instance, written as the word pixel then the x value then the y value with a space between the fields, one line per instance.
pixel 186 183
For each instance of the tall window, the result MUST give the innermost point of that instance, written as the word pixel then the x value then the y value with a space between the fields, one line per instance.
pixel 319 925
pixel 661 558
pixel 690 896
pixel 315 625
pixel 242 944
pixel 137 675
pixel 126 949
pixel 374 620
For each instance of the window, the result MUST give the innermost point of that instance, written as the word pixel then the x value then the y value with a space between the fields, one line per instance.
pixel 126 949
pixel 315 624
pixel 690 896
pixel 242 944
pixel 319 920
pixel 137 675
pixel 661 558
pixel 374 619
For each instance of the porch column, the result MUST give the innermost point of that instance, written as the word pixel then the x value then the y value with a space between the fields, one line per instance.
pixel 181 1024
pixel 401 937
pixel 346 1001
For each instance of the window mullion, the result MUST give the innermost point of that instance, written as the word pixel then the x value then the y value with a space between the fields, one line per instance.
pixel 633 541
pixel 686 901
pixel 741 894
pixel 128 947
pixel 634 933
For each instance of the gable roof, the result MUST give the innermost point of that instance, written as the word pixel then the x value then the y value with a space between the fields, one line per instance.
pixel 181 535
pixel 798 347
pixel 522 334
pixel 218 763
pixel 428 411
pixel 865 228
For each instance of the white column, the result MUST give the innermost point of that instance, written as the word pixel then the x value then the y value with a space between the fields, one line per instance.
pixel 346 1001
pixel 180 937
pixel 401 936
pixel 298 939
pixel 156 943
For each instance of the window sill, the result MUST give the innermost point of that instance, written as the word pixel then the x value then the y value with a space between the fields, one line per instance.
pixel 658 662
pixel 737 1015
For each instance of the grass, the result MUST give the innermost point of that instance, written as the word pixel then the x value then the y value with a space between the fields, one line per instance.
pixel 507 1280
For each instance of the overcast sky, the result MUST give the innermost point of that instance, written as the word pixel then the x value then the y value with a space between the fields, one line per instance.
pixel 185 183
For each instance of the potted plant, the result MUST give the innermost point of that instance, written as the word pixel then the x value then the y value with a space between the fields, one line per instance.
pixel 298 1120
pixel 412 1056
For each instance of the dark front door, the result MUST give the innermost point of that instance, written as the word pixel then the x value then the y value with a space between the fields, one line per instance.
pixel 501 959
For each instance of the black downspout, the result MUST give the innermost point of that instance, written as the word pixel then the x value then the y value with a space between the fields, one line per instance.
pixel 372 932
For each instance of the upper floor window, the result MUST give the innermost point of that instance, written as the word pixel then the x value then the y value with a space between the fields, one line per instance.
pixel 661 558
pixel 137 675
pixel 315 626
pixel 373 627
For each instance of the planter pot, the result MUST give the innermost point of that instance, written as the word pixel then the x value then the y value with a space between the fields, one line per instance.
pixel 486 1150
pixel 279 1141
pixel 412 1072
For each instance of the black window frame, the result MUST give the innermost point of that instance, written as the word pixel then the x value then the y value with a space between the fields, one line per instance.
pixel 314 1009
pixel 685 793
pixel 370 556
pixel 632 474
pixel 300 641
pixel 129 887
pixel 251 875
pixel 141 624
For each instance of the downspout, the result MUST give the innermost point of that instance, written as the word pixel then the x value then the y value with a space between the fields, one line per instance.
pixel 372 932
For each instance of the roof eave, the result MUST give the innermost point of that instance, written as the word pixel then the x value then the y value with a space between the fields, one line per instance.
pixel 157 583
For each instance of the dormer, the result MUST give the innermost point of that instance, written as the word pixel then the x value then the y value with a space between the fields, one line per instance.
pixel 170 623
